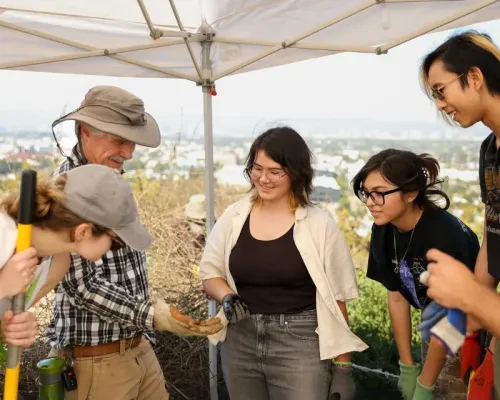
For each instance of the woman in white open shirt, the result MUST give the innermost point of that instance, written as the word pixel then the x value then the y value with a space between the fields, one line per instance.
pixel 283 273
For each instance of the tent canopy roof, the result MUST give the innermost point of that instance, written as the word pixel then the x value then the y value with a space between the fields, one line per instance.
pixel 114 38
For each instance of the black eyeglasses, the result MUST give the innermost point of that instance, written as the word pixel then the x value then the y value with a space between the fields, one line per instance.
pixel 273 174
pixel 438 94
pixel 377 197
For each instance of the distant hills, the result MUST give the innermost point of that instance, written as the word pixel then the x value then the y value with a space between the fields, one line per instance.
pixel 341 127
pixel 191 126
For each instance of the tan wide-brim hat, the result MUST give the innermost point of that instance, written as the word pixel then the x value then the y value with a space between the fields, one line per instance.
pixel 113 110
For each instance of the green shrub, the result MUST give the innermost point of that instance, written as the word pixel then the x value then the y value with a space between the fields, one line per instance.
pixel 372 385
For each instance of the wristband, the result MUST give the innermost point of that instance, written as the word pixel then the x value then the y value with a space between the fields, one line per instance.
pixel 342 363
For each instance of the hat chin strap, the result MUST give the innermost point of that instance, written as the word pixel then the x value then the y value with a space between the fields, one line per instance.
pixel 80 155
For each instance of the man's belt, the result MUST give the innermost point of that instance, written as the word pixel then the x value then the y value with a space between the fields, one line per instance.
pixel 106 348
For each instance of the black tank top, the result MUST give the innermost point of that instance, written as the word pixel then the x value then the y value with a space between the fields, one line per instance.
pixel 270 275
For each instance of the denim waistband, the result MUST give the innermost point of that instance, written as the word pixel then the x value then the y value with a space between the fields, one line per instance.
pixel 304 315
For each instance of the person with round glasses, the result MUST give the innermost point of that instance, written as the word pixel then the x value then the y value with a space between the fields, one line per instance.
pixel 462 77
pixel 283 273
pixel 400 190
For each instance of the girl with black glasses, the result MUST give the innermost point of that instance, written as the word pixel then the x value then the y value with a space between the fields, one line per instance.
pixel 400 190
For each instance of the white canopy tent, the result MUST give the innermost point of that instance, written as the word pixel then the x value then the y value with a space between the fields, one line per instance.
pixel 206 40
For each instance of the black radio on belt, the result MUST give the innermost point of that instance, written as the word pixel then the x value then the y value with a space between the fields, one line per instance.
pixel 69 378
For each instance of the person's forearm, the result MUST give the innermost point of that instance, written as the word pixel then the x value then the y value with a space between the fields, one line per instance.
pixel 399 310
pixel 483 276
pixel 58 268
pixel 216 288
pixel 483 305
pixel 434 362
pixel 346 357
pixel 481 268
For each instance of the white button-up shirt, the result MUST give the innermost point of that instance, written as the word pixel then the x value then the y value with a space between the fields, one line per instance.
pixel 328 260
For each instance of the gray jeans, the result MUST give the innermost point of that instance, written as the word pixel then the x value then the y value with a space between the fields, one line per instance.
pixel 275 357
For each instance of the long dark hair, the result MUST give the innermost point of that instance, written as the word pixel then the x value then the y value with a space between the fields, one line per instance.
pixel 408 171
pixel 286 147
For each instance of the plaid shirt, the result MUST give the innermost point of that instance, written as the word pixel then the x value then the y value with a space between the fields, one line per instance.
pixel 104 301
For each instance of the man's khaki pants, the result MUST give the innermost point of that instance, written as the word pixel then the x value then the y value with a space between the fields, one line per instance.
pixel 135 374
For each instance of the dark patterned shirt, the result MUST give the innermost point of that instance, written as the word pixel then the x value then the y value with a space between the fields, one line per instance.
pixel 489 179
pixel 398 266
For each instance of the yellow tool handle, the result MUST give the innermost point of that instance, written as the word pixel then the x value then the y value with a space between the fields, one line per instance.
pixel 24 227
pixel 13 363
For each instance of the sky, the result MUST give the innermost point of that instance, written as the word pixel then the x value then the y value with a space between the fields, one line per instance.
pixel 359 86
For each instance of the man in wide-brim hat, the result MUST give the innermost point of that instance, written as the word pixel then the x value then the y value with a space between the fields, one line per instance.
pixel 110 122
pixel 103 317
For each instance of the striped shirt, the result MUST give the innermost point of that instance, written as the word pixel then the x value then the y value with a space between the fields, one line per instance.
pixel 104 301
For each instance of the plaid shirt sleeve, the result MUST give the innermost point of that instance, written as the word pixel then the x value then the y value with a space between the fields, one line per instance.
pixel 88 289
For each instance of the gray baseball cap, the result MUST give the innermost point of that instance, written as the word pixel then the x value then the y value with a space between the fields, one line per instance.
pixel 100 195
pixel 113 110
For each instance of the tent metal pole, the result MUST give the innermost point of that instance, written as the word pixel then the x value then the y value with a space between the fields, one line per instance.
pixel 190 49
pixel 157 33
pixel 438 24
pixel 209 192
pixel 82 46
pixel 298 45
pixel 89 54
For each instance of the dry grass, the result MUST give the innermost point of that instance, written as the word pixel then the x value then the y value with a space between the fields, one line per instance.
pixel 170 260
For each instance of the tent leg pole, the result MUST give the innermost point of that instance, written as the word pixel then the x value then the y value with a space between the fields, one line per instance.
pixel 209 195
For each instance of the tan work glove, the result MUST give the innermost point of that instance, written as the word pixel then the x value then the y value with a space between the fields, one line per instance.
pixel 167 318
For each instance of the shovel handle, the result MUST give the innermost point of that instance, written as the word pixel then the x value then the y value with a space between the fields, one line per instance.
pixel 25 220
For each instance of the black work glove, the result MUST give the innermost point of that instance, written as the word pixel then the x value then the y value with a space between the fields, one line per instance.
pixel 234 308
